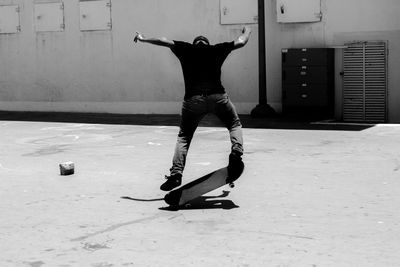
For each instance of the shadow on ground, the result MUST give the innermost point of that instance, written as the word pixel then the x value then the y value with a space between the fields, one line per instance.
pixel 277 122
pixel 202 202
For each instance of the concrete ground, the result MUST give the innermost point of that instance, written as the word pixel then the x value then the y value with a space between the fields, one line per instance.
pixel 309 196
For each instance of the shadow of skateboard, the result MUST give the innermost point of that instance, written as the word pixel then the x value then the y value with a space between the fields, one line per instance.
pixel 206 202
pixel 200 186
pixel 201 202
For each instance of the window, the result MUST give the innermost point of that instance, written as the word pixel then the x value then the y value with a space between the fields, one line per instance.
pixel 49 17
pixel 238 11
pixel 95 15
pixel 9 19
pixel 292 11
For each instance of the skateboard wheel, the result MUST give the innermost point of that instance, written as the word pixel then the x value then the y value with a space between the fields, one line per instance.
pixel 172 198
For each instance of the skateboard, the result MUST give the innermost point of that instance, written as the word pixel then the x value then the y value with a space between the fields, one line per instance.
pixel 200 186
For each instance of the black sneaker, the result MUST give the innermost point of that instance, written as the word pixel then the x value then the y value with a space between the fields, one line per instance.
pixel 235 167
pixel 172 182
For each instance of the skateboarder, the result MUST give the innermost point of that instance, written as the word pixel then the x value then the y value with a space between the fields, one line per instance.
pixel 201 66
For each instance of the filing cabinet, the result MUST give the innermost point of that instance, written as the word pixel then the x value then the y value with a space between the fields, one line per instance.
pixel 308 82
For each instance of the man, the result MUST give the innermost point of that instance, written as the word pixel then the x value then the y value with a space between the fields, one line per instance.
pixel 204 93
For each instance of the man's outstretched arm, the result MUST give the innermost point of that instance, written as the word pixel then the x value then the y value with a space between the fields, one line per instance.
pixel 243 38
pixel 155 41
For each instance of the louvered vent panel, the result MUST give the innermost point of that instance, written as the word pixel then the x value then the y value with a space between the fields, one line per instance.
pixel 375 82
pixel 365 82
pixel 353 104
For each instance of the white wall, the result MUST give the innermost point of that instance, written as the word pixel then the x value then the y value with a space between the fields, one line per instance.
pixel 105 72
pixel 343 21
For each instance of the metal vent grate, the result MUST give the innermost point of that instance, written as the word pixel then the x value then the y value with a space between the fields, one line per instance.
pixel 365 82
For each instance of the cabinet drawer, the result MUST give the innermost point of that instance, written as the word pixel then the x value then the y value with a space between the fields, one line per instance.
pixel 295 74
pixel 307 57
pixel 315 95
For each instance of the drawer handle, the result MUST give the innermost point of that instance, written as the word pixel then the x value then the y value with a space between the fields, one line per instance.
pixel 304 96
pixel 303 73
pixel 303 85
pixel 304 59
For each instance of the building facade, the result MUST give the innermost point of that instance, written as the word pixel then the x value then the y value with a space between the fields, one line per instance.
pixel 79 56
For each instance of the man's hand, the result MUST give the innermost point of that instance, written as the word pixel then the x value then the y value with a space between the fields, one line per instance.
pixel 243 38
pixel 246 30
pixel 138 37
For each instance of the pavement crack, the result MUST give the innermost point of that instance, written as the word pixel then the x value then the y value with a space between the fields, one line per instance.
pixel 281 234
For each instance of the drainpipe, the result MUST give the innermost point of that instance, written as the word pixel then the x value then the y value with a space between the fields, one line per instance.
pixel 262 110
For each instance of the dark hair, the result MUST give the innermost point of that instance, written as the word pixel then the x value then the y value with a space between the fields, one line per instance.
pixel 201 39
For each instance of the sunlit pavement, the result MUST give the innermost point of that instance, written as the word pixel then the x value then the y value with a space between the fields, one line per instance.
pixel 308 197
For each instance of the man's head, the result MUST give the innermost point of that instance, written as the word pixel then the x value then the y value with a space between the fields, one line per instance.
pixel 201 40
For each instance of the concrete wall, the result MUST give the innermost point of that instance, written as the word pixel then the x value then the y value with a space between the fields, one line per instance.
pixel 343 21
pixel 105 72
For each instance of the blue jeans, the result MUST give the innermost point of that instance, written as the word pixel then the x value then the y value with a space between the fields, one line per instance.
pixel 193 110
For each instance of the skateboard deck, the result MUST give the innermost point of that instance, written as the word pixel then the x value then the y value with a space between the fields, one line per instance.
pixel 198 187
